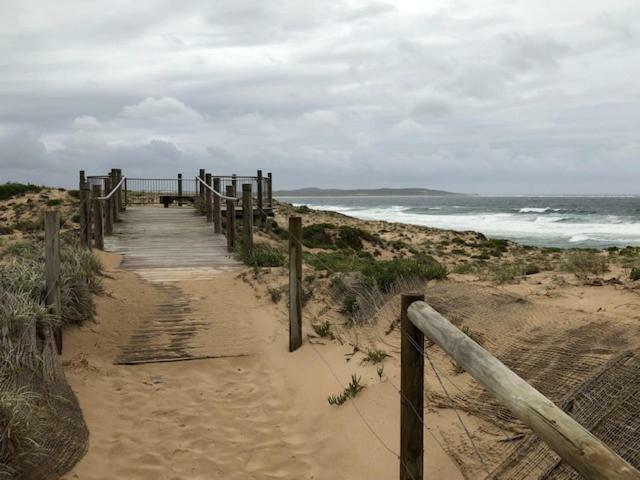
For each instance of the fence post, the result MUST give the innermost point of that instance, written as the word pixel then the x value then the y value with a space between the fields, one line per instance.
pixel 217 214
pixel 247 222
pixel 114 198
pixel 411 394
pixel 201 191
pixel 207 199
pixel 259 195
pixel 98 239
pixel 126 194
pixel 52 265
pixel 119 193
pixel 82 209
pixel 180 185
pixel 270 189
pixel 231 219
pixel 295 283
pixel 234 182
pixel 108 210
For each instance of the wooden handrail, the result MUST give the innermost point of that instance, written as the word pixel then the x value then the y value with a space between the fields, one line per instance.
pixel 578 447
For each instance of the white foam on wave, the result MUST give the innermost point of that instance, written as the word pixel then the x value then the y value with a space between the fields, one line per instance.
pixel 538 210
pixel 510 225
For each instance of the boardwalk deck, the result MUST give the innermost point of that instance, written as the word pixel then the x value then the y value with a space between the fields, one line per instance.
pixel 169 244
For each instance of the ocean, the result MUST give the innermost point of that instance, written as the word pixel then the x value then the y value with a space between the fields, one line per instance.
pixel 566 222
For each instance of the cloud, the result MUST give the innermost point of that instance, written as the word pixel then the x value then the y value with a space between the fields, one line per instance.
pixel 489 96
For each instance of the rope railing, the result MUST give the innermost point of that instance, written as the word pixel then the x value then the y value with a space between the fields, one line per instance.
pixel 218 194
pixel 114 189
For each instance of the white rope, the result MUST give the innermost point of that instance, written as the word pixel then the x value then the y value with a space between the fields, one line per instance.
pixel 113 190
pixel 216 192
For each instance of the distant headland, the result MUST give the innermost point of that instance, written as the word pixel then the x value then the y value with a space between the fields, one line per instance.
pixel 368 192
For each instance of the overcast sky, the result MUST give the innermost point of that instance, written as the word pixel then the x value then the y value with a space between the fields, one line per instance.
pixel 485 96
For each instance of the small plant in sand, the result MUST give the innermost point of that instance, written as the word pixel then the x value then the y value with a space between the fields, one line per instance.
pixel 375 356
pixel 635 274
pixel 322 329
pixel 350 305
pixel 380 371
pixel 275 294
pixel 585 263
pixel 351 391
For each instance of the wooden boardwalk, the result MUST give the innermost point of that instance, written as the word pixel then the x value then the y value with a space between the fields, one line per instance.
pixel 169 244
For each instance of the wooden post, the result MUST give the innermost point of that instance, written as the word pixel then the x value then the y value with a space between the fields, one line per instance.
pixel 126 194
pixel 98 239
pixel 180 185
pixel 247 222
pixel 411 394
pixel 231 219
pixel 52 266
pixel 88 213
pixel 217 214
pixel 259 199
pixel 207 199
pixel 201 175
pixel 270 189
pixel 82 208
pixel 119 199
pixel 114 198
pixel 295 283
pixel 108 210
pixel 571 441
pixel 234 182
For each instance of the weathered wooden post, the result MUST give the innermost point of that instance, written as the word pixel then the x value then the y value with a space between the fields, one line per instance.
pixel 231 219
pixel 201 190
pixel 52 265
pixel 82 209
pixel 180 185
pixel 119 194
pixel 98 238
pixel 108 210
pixel 234 182
pixel 115 211
pixel 217 214
pixel 207 199
pixel 295 283
pixel 270 189
pixel 247 222
pixel 411 394
pixel 126 194
pixel 259 199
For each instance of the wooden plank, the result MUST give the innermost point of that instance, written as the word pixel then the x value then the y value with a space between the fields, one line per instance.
pixel 52 268
pixel 411 394
pixel 177 359
pixel 573 443
pixel 295 283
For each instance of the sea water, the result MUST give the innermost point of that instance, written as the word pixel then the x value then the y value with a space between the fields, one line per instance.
pixel 565 222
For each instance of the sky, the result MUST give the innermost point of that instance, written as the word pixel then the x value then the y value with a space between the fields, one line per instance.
pixel 481 96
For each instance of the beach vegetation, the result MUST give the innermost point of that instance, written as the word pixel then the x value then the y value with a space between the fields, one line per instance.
pixel 352 237
pixel 322 329
pixel 583 263
pixel 275 294
pixel 74 194
pixel 351 391
pixel 264 255
pixel 635 274
pixel 54 202
pixel 350 305
pixel 302 209
pixel 12 189
pixel 375 356
pixel 318 235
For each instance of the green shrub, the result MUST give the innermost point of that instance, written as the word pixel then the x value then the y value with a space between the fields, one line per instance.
pixel 375 356
pixel 29 226
pixel 350 305
pixel 54 202
pixel 318 235
pixel 352 237
pixel 583 263
pixel 531 269
pixel 387 273
pixel 264 255
pixel 322 329
pixel 11 189
pixel 302 209
pixel 275 294
pixel 335 261
pixel 628 251
pixel 635 274
pixel 351 391
pixel 74 194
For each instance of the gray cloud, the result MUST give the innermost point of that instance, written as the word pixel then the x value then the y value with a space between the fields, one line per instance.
pixel 488 96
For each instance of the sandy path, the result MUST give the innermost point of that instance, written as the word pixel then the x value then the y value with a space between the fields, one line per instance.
pixel 259 416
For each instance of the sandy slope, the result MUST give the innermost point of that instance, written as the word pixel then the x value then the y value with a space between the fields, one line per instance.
pixel 264 415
